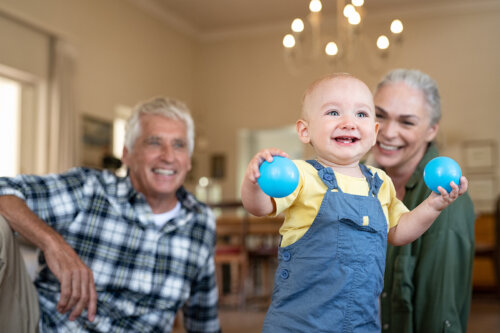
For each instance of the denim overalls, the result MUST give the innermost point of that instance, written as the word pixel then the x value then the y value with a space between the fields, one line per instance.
pixel 330 279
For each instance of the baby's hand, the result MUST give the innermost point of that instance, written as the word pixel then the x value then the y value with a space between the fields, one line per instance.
pixel 252 172
pixel 443 200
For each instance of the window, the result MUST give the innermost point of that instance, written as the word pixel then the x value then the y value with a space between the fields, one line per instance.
pixel 251 141
pixel 10 95
pixel 122 113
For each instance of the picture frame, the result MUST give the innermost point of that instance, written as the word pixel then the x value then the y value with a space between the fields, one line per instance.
pixel 482 190
pixel 479 156
pixel 96 140
pixel 218 166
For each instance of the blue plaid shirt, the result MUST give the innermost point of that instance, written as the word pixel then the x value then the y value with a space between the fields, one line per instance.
pixel 143 274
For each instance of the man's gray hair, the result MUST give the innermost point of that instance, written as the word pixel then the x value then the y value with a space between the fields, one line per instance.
pixel 417 80
pixel 166 107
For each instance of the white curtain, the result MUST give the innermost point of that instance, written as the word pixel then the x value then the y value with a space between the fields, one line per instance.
pixel 63 132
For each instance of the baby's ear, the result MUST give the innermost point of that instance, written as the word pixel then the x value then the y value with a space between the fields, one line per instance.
pixel 377 127
pixel 303 130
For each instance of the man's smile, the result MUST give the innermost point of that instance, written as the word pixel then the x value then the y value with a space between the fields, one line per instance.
pixel 165 172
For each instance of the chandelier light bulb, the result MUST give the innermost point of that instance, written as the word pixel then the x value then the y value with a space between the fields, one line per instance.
pixel 306 40
pixel 315 6
pixel 349 10
pixel 288 41
pixel 354 19
pixel 331 49
pixel 297 25
pixel 382 42
pixel 396 26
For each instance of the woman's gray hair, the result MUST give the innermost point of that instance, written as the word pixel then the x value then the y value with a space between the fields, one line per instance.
pixel 166 107
pixel 417 80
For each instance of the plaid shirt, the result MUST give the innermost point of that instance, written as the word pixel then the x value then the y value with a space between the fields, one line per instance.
pixel 143 274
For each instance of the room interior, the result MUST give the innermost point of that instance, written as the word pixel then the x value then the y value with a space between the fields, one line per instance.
pixel 83 64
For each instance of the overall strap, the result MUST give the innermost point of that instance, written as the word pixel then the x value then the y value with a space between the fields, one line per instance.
pixel 374 181
pixel 326 175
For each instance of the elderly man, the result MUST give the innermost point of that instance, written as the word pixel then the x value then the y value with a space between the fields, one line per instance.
pixel 118 254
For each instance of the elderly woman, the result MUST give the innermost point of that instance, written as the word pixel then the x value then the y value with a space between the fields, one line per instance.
pixel 428 283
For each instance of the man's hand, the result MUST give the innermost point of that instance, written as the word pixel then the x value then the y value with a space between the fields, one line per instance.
pixel 77 282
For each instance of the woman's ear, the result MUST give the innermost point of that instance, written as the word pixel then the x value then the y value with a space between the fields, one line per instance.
pixel 432 132
pixel 303 131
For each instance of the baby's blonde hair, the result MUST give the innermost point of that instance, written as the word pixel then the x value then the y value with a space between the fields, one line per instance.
pixel 317 82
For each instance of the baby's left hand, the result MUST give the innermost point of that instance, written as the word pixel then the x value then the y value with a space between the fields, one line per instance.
pixel 443 200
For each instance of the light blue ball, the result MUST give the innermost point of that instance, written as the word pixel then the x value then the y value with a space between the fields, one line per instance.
pixel 279 178
pixel 440 171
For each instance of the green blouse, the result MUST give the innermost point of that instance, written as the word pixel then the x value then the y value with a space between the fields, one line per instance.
pixel 428 283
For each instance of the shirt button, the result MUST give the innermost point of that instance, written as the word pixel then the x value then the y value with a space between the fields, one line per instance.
pixel 447 323
pixel 386 326
pixel 284 274
pixel 384 294
pixel 286 256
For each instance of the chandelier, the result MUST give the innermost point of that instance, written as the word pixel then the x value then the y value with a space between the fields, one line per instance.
pixel 308 40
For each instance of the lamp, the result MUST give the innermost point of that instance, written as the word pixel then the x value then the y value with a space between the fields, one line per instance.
pixel 307 41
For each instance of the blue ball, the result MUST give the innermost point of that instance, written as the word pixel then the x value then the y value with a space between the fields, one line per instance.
pixel 440 171
pixel 279 178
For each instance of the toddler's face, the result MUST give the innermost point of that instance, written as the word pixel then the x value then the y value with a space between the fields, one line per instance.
pixel 339 121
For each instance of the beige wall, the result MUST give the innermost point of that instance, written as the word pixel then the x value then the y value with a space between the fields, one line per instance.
pixel 243 82
pixel 124 56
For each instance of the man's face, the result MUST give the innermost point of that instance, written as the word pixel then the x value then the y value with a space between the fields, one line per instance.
pixel 339 121
pixel 159 160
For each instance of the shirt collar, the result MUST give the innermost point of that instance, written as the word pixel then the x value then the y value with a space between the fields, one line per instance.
pixel 431 153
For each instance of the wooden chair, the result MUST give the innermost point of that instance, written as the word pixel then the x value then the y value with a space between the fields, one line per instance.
pixel 491 250
pixel 231 254
pixel 262 254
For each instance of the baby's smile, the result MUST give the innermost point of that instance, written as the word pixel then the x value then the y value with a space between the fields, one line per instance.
pixel 346 139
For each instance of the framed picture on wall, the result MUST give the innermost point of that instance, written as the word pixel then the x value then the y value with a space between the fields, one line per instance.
pixel 482 189
pixel 479 156
pixel 218 166
pixel 97 140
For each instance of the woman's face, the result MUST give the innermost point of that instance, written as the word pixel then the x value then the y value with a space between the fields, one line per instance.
pixel 405 128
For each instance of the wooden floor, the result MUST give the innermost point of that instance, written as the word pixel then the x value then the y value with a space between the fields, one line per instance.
pixel 484 317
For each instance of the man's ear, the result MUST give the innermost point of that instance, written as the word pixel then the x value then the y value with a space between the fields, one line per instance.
pixel 125 155
pixel 303 130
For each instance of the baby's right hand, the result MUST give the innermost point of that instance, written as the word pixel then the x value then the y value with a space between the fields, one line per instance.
pixel 252 172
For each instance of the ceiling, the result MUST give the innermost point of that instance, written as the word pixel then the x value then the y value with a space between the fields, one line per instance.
pixel 211 16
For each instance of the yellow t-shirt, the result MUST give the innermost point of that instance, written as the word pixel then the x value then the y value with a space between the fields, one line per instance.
pixel 301 207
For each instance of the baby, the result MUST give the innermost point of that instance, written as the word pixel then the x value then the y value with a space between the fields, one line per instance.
pixel 340 217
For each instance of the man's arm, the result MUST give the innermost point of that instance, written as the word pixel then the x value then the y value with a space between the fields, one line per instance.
pixel 201 310
pixel 413 224
pixel 77 283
